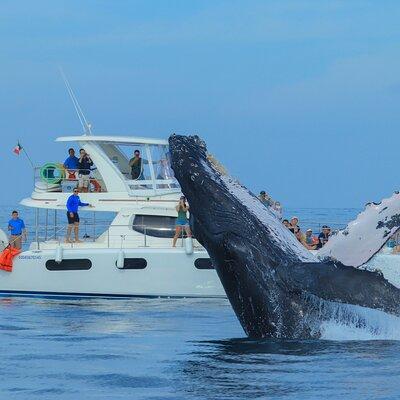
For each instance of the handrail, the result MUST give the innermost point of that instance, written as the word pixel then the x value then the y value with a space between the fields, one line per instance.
pixel 111 238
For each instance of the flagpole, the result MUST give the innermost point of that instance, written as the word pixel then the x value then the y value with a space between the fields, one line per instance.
pixel 27 156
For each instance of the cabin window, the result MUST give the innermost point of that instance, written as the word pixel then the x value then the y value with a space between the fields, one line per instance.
pixel 69 265
pixel 155 225
pixel 203 263
pixel 134 263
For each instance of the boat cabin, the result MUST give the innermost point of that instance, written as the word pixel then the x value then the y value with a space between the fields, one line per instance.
pixel 112 170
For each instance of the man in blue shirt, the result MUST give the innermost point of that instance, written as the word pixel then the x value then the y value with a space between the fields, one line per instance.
pixel 17 229
pixel 73 203
pixel 71 163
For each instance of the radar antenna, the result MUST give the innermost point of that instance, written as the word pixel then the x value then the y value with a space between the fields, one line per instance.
pixel 86 126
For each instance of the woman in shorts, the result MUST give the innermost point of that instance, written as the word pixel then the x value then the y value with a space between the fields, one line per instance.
pixel 181 221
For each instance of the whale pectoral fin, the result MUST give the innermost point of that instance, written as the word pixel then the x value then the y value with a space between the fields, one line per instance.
pixel 340 283
pixel 366 235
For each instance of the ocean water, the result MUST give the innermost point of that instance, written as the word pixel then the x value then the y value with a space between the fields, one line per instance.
pixel 188 349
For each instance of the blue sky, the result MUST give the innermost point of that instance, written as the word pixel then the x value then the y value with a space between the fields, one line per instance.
pixel 300 98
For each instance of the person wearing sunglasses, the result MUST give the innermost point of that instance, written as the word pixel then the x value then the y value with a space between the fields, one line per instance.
pixel 73 203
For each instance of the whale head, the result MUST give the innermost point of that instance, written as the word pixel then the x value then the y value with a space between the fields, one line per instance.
pixel 243 248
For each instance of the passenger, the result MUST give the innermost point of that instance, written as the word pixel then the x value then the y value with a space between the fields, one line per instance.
pixel 73 203
pixel 300 237
pixel 265 199
pixel 323 237
pixel 136 165
pixel 181 221
pixel 286 223
pixel 294 227
pixel 310 240
pixel 71 164
pixel 84 164
pixel 17 229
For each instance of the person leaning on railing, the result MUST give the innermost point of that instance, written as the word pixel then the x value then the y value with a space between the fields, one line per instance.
pixel 71 164
pixel 73 203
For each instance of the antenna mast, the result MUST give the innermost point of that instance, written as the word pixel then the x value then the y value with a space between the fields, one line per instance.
pixel 86 126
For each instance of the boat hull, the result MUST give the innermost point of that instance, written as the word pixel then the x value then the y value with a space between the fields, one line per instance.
pixel 168 273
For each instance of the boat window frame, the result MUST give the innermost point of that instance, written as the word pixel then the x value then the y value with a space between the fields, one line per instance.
pixel 153 231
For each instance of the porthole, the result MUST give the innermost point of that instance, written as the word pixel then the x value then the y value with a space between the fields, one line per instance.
pixel 134 263
pixel 69 265
pixel 203 263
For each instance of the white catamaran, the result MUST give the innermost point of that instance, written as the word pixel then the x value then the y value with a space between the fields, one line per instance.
pixel 133 255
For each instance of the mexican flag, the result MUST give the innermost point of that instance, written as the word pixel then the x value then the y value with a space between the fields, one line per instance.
pixel 17 149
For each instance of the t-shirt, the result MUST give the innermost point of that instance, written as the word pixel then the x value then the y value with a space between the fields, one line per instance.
pixel 182 215
pixel 136 167
pixel 74 202
pixel 17 225
pixel 322 239
pixel 71 162
pixel 84 165
pixel 266 201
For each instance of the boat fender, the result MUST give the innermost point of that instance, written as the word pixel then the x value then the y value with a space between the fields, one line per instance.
pixel 188 245
pixel 59 254
pixel 120 259
pixel 3 240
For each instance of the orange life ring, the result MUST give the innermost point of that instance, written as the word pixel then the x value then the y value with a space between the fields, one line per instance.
pixel 71 174
pixel 96 185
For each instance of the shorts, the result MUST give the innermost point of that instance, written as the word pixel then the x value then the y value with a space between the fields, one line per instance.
pixel 84 181
pixel 74 219
pixel 16 241
pixel 181 222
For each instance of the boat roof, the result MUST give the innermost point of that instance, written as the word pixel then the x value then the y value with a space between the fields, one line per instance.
pixel 113 139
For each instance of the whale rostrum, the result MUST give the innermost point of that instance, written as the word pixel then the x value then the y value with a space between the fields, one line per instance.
pixel 273 283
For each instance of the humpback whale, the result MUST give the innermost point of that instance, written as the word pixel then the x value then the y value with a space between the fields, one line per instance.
pixel 275 286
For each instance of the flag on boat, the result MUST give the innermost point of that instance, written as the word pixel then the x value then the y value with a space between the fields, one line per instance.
pixel 17 149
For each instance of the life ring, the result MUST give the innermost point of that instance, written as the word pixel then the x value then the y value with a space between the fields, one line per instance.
pixel 71 174
pixel 52 173
pixel 96 185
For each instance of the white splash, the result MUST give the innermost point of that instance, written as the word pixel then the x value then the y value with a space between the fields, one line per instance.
pixel 350 322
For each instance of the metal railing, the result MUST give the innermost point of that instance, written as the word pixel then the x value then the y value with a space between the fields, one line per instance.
pixel 54 177
pixel 107 236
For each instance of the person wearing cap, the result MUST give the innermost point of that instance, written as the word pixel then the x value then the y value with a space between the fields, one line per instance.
pixel 182 221
pixel 310 240
pixel 323 237
pixel 294 227
pixel 73 203
pixel 265 199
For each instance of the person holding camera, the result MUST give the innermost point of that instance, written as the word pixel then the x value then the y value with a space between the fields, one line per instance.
pixel 136 165
pixel 84 165
pixel 182 221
